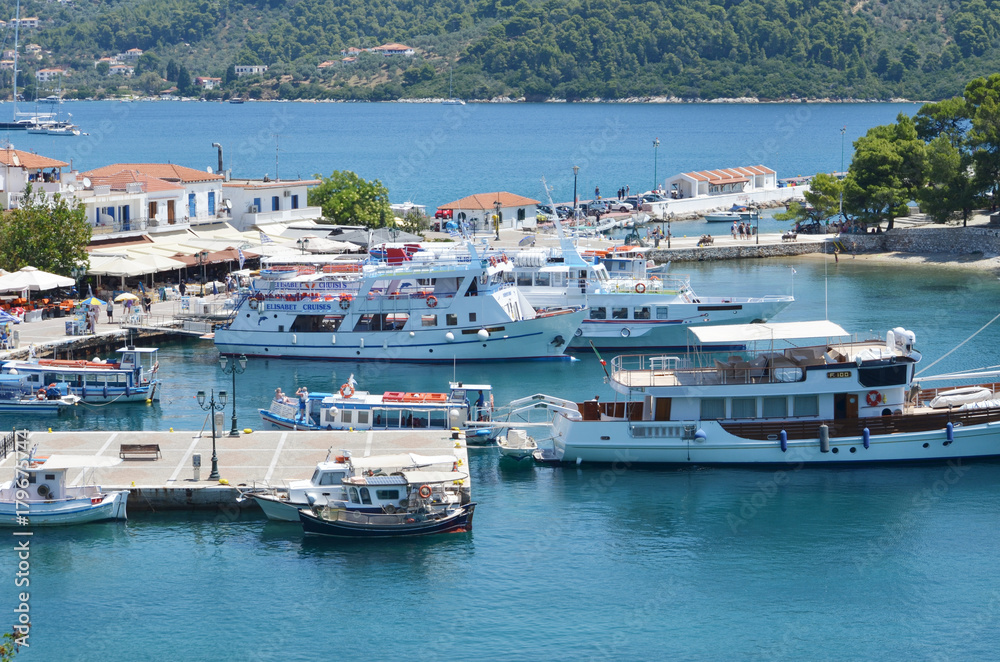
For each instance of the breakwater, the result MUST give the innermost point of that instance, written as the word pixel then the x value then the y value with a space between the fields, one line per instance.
pixel 737 252
pixel 975 240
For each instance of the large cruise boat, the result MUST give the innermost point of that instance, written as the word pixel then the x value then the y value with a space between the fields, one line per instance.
pixel 442 310
pixel 843 400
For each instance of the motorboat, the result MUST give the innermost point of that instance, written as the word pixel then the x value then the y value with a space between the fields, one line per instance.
pixel 404 503
pixel 131 378
pixel 440 308
pixel 724 217
pixel 516 444
pixel 464 406
pixel 803 393
pixel 326 486
pixel 18 396
pixel 42 493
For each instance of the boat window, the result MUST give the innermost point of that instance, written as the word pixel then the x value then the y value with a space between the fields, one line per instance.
pixel 354 495
pixel 472 317
pixel 437 419
pixel 362 417
pixel 661 313
pixel 420 419
pixel 774 407
pixel 641 313
pixel 366 497
pixel 451 319
pixel 889 375
pixel 332 478
pixel 806 405
pixel 712 408
pixel 524 279
pixel 346 416
pixel 619 313
pixel 387 495
pixel 315 478
pixel 744 407
pixel 559 279
pixel 600 313
pixel 542 279
pixel 331 323
pixel 428 320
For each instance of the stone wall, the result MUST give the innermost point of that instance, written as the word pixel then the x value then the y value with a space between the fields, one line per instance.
pixel 978 240
pixel 742 251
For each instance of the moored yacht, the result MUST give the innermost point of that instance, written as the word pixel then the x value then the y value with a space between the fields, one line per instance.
pixel 843 400
pixel 132 378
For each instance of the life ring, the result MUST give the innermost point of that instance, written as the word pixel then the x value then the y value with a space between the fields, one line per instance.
pixel 345 302
pixel 493 261
pixel 432 301
pixel 640 288
pixel 253 304
pixel 873 398
pixel 346 391
pixel 424 491
pixel 655 279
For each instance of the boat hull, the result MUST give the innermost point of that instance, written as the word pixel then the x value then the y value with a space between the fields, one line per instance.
pixel 278 509
pixel 69 511
pixel 537 338
pixel 456 522
pixel 625 443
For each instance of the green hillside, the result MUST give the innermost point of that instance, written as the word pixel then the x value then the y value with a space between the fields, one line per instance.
pixel 575 49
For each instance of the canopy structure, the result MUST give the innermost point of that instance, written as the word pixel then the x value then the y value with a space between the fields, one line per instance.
pixel 401 460
pixel 56 462
pixel 767 332
pixel 32 279
pixel 316 244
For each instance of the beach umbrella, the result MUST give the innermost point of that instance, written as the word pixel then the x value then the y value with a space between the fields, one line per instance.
pixel 126 296
pixel 92 301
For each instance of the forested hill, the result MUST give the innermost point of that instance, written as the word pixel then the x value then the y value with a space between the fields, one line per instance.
pixel 573 49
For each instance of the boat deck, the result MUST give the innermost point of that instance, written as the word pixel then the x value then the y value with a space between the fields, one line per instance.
pixel 271 457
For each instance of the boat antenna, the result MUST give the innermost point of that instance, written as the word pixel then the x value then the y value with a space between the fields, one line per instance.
pixel 950 351
pixel 454 368
pixel 604 364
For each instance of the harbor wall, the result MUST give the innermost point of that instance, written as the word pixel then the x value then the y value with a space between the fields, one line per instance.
pixel 977 240
pixel 739 252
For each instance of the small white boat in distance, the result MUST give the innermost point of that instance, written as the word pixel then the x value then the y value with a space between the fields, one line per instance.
pixel 517 444
pixel 42 493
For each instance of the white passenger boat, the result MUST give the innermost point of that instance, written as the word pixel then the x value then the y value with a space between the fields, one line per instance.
pixel 326 486
pixel 841 400
pixel 442 310
pixel 45 494
pixel 132 378
pixel 465 406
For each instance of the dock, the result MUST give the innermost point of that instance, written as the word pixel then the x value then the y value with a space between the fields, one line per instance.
pixel 168 482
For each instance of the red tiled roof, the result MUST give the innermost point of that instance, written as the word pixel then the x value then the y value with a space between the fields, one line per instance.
pixel 19 158
pixel 392 47
pixel 118 180
pixel 488 200
pixel 729 175
pixel 167 171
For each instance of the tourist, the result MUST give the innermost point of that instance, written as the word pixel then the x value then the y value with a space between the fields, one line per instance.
pixel 111 311
pixel 732 230
pixel 303 394
pixel 182 288
pixel 597 192
pixel 147 304
pixel 279 396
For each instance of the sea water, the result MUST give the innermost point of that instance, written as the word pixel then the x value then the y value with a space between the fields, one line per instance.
pixel 592 562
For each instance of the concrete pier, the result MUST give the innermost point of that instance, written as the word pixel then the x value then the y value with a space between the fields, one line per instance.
pixel 271 457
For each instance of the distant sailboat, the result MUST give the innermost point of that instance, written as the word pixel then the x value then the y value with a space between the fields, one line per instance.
pixel 451 100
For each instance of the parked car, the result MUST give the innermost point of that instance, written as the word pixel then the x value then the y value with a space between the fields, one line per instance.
pixel 443 213
pixel 594 207
pixel 544 209
pixel 620 205
pixel 635 201
pixel 564 211
pixel 653 197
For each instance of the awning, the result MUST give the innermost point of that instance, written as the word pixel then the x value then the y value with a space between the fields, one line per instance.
pixel 55 462
pixel 211 257
pixel 765 332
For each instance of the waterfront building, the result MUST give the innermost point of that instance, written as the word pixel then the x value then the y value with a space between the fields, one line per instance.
pixel 744 179
pixel 202 202
pixel 516 211
pixel 19 168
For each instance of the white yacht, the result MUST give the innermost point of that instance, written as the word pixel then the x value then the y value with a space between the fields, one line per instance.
pixel 841 400
pixel 442 309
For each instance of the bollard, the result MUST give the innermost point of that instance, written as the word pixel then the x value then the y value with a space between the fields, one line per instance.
pixel 196 465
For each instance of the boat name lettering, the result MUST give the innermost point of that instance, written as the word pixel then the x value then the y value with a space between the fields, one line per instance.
pixel 317 307
pixel 279 306
pixel 838 375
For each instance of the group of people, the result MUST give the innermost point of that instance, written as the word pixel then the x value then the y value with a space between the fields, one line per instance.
pixel 742 230
pixel 303 397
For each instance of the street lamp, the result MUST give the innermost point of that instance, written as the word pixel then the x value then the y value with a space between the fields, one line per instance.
pixel 756 233
pixel 496 217
pixel 202 261
pixel 668 232
pixel 236 368
pixel 303 244
pixel 212 407
pixel 576 171
pixel 656 146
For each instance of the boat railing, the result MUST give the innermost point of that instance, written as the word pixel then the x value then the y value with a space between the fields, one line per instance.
pixel 370 519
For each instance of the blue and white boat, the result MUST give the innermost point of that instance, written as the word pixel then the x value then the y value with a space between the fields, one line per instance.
pixel 132 378
pixel 466 406
pixel 18 397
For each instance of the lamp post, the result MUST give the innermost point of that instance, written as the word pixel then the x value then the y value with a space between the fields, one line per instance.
pixel 202 261
pixel 656 146
pixel 496 217
pixel 756 232
pixel 668 233
pixel 212 407
pixel 576 171
pixel 303 244
pixel 235 368
pixel 843 130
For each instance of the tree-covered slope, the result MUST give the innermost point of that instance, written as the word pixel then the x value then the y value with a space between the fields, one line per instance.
pixel 922 49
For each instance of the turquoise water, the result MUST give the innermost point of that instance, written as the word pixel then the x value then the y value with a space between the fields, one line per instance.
pixel 888 563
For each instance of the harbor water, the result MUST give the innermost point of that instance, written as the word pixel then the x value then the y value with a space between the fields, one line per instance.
pixel 564 563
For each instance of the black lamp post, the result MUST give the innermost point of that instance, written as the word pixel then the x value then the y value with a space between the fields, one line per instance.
pixel 303 245
pixel 212 407
pixel 235 368
pixel 757 231
pixel 668 233
pixel 576 171
pixel 202 260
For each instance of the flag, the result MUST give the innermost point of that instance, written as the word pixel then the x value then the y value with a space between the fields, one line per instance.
pixel 351 381
pixel 264 239
pixel 241 256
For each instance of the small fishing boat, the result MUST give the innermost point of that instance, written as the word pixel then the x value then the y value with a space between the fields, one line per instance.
pixel 43 493
pixel 326 486
pixel 17 396
pixel 132 378
pixel 360 410
pixel 516 444
pixel 723 217
pixel 405 503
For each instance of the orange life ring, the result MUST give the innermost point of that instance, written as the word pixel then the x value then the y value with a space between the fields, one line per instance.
pixel 346 391
pixel 493 261
pixel 432 301
pixel 424 491
pixel 640 288
pixel 874 398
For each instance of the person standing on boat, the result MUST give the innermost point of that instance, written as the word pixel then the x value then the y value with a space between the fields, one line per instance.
pixel 303 394
pixel 480 406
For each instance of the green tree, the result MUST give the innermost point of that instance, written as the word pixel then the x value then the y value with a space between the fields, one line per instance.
pixel 48 233
pixel 185 86
pixel 949 186
pixel 103 68
pixel 172 71
pixel 822 201
pixel 230 75
pixel 347 199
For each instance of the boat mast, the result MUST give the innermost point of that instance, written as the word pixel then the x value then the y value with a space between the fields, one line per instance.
pixel 17 27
